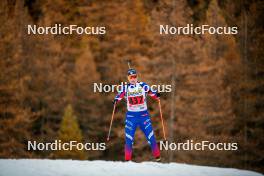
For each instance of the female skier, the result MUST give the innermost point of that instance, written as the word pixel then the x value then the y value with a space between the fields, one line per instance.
pixel 137 114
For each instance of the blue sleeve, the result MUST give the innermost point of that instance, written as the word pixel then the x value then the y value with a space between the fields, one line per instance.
pixel 121 94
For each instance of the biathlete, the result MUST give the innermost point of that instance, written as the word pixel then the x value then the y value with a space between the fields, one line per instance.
pixel 137 114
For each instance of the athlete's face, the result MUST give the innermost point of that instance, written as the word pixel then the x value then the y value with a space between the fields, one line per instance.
pixel 132 79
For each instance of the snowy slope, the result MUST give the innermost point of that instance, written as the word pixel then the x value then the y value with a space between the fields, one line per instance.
pixel 34 167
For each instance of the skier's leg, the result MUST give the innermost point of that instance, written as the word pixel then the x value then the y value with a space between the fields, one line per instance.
pixel 130 128
pixel 146 127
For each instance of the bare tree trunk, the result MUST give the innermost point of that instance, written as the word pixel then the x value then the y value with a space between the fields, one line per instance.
pixel 172 114
pixel 245 77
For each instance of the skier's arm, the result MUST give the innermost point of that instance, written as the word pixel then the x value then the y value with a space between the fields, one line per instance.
pixel 153 93
pixel 120 95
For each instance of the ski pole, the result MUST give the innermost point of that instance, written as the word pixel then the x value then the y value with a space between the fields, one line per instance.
pixel 163 129
pixel 108 137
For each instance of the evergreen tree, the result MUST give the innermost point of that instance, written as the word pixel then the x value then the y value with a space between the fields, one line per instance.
pixel 70 131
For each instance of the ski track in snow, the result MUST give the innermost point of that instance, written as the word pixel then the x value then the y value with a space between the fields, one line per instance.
pixel 46 167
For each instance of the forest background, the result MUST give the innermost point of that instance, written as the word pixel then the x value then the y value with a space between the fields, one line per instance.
pixel 46 81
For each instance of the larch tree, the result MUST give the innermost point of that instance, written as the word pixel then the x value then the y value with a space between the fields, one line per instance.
pixel 220 73
pixel 16 118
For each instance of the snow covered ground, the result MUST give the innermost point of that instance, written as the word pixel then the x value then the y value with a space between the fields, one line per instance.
pixel 35 167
